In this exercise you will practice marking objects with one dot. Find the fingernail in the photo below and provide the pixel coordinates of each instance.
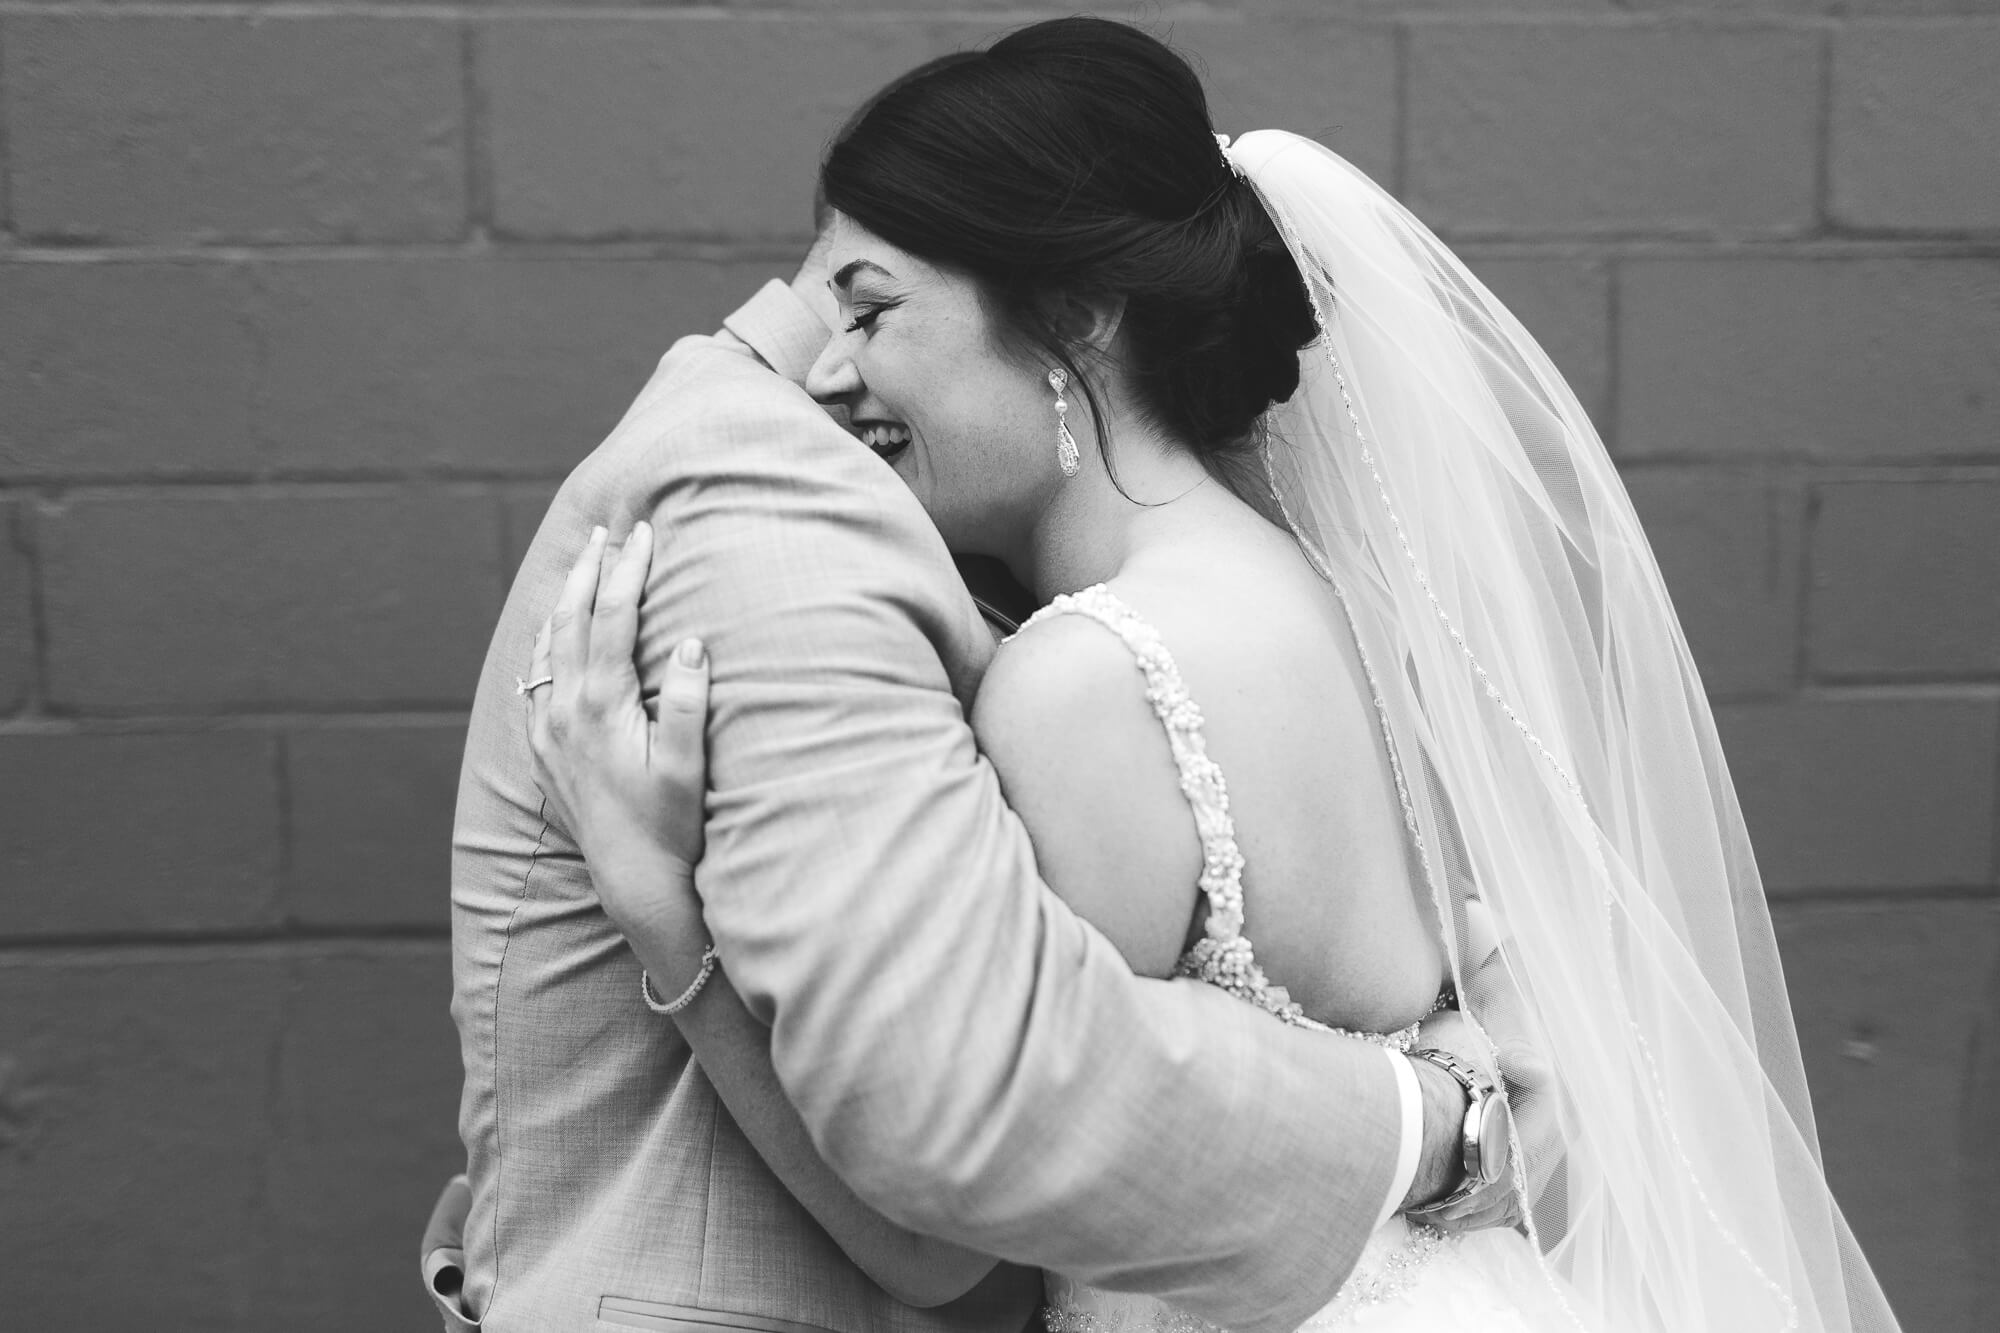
(691, 653)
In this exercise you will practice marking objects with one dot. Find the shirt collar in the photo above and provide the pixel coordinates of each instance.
(781, 329)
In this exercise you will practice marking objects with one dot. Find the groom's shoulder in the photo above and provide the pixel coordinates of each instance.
(708, 378)
(709, 392)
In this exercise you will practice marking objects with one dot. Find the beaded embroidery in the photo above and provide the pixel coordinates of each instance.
(1396, 1274)
(1400, 1272)
(1161, 1319)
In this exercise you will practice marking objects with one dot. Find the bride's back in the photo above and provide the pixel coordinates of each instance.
(1332, 903)
(1040, 248)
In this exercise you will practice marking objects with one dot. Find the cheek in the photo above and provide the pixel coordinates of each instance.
(948, 395)
(1024, 427)
(996, 470)
(993, 438)
(983, 425)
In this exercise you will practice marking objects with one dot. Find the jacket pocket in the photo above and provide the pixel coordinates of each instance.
(624, 1312)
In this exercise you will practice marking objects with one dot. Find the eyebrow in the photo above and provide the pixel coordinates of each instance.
(849, 269)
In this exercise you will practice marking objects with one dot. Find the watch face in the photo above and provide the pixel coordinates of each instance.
(1496, 1139)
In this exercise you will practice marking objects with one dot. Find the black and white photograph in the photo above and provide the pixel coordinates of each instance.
(936, 666)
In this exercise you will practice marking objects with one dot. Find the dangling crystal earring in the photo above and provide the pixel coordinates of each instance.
(1067, 457)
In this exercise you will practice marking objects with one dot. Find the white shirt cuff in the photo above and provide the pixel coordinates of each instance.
(1411, 1146)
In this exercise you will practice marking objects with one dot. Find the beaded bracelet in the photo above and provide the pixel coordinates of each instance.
(686, 997)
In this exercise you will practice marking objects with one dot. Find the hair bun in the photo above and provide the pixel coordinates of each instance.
(1077, 158)
(1276, 318)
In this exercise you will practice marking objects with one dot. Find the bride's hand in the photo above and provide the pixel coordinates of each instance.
(627, 784)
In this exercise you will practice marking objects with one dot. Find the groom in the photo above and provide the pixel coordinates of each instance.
(969, 1056)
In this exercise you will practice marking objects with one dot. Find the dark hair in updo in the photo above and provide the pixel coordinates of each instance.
(1075, 158)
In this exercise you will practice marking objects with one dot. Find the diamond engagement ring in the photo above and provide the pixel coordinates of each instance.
(530, 686)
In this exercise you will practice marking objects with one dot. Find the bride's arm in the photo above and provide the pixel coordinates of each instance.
(630, 790)
(734, 1050)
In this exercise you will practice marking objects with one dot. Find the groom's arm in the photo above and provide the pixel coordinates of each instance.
(970, 1056)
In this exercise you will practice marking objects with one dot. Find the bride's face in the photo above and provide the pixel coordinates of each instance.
(920, 366)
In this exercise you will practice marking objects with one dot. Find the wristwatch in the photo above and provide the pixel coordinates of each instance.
(1485, 1138)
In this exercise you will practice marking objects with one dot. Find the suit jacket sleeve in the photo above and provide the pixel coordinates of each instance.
(973, 1058)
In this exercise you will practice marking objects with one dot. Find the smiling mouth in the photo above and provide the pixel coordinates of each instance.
(886, 438)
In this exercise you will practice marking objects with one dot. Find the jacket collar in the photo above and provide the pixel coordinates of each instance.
(781, 329)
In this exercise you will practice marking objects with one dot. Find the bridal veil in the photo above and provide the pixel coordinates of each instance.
(1559, 764)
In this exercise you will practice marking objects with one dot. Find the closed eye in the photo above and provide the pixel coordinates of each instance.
(863, 320)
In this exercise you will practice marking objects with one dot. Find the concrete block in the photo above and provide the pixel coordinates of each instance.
(17, 626)
(150, 128)
(1566, 305)
(1916, 110)
(126, 369)
(365, 1115)
(138, 835)
(1394, 9)
(484, 366)
(1906, 580)
(135, 1099)
(1890, 1001)
(241, 599)
(1923, 8)
(370, 826)
(1841, 360)
(698, 126)
(1332, 82)
(1728, 545)
(1587, 127)
(329, 366)
(1867, 794)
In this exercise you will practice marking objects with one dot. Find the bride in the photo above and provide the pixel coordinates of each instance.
(1353, 667)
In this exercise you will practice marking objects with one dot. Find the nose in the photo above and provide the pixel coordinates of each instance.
(833, 377)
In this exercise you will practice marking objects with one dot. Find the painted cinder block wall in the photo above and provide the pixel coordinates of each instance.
(304, 310)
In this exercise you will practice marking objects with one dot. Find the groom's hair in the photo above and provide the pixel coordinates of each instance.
(1075, 160)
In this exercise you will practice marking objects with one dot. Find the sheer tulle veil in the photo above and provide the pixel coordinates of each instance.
(1561, 766)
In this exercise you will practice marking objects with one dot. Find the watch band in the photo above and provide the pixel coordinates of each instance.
(1484, 1134)
(1469, 1078)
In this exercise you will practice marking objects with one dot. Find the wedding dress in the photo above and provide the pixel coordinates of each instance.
(1560, 777)
(1410, 1278)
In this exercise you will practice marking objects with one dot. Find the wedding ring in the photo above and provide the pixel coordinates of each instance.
(530, 686)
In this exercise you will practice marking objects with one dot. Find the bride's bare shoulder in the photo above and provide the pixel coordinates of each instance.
(1065, 685)
(1061, 696)
(1057, 654)
(1063, 717)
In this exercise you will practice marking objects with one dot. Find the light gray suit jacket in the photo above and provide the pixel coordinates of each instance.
(969, 1055)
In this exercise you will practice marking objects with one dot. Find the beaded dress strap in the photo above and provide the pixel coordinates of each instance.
(1223, 956)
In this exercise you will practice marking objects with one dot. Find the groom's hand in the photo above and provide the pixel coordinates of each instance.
(1525, 1072)
(1502, 1042)
(1440, 1166)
